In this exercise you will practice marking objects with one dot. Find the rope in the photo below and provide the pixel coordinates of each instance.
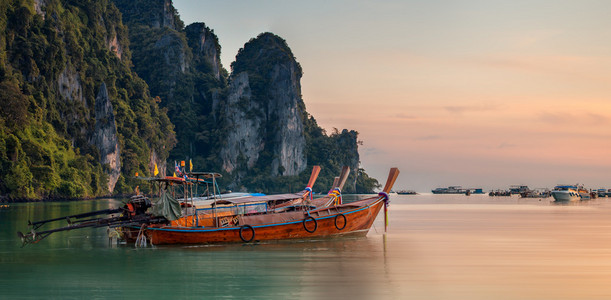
(337, 196)
(141, 239)
(386, 198)
(113, 233)
(307, 202)
(309, 189)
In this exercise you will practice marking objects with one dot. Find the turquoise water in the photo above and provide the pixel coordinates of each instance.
(437, 247)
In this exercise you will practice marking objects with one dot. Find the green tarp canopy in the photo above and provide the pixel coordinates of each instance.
(167, 207)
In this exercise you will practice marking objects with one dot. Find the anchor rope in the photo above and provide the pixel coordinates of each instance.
(141, 239)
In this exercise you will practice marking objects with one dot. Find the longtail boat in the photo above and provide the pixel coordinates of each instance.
(226, 212)
(354, 218)
(139, 210)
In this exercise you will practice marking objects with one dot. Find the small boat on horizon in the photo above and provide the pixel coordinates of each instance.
(407, 192)
(602, 192)
(518, 189)
(476, 191)
(499, 193)
(536, 193)
(455, 189)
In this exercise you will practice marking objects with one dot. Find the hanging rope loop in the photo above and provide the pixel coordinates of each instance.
(386, 198)
(309, 189)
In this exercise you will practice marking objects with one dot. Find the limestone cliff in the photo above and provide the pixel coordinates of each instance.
(114, 46)
(271, 112)
(172, 50)
(105, 136)
(69, 85)
(286, 107)
(152, 13)
(245, 122)
(205, 47)
(160, 52)
(39, 6)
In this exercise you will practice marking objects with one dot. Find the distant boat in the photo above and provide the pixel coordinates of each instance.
(498, 193)
(570, 193)
(536, 193)
(407, 192)
(602, 192)
(518, 189)
(450, 190)
(476, 191)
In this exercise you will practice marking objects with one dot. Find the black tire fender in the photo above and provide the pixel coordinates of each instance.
(315, 224)
(345, 221)
(251, 229)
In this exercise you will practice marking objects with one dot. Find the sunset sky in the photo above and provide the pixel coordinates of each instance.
(474, 93)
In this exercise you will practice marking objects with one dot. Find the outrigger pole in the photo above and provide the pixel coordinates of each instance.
(36, 225)
(132, 213)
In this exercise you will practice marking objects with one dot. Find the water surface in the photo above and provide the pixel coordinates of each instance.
(437, 247)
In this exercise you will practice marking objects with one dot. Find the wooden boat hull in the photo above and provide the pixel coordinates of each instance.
(353, 218)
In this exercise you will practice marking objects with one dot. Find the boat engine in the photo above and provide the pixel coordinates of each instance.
(137, 205)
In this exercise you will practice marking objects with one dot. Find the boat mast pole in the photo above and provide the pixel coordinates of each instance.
(214, 195)
(192, 200)
(196, 183)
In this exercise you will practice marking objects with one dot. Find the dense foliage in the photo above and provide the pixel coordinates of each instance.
(182, 80)
(45, 134)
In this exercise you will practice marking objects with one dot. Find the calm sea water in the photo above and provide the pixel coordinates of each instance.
(437, 247)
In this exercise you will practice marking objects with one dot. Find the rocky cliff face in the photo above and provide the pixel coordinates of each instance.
(38, 7)
(172, 49)
(114, 46)
(286, 106)
(166, 19)
(69, 85)
(245, 121)
(155, 159)
(160, 51)
(105, 136)
(273, 109)
(152, 13)
(205, 47)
